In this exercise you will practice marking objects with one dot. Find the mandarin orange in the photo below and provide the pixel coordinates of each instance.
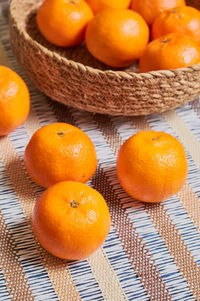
(150, 9)
(60, 152)
(71, 220)
(14, 101)
(63, 22)
(98, 5)
(152, 166)
(117, 37)
(170, 51)
(183, 19)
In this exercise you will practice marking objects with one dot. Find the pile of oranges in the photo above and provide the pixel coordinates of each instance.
(159, 34)
(70, 219)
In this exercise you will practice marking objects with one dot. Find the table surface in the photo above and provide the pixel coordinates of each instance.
(152, 251)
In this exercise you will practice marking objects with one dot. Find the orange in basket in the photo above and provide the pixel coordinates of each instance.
(150, 9)
(63, 22)
(98, 5)
(183, 19)
(60, 152)
(14, 101)
(170, 51)
(71, 220)
(117, 37)
(152, 166)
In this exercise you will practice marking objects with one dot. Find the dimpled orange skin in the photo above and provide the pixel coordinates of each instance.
(71, 220)
(170, 51)
(152, 166)
(183, 19)
(14, 101)
(150, 9)
(117, 37)
(60, 152)
(63, 22)
(98, 5)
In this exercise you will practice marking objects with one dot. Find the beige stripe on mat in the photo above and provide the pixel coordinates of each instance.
(191, 203)
(32, 124)
(188, 138)
(106, 277)
(12, 269)
(4, 60)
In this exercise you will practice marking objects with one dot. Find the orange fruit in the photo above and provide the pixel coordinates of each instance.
(150, 9)
(152, 166)
(98, 5)
(60, 152)
(183, 19)
(63, 22)
(71, 220)
(14, 101)
(170, 51)
(117, 37)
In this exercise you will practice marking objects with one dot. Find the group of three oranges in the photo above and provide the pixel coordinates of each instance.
(117, 32)
(70, 219)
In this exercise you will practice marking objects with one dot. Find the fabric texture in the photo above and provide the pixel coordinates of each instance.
(152, 251)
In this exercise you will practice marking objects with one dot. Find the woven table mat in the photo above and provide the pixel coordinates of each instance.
(152, 251)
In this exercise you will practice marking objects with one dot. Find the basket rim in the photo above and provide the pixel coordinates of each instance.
(96, 71)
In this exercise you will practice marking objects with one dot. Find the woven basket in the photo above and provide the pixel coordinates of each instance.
(72, 76)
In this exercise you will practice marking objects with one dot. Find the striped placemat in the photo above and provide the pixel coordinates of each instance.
(152, 251)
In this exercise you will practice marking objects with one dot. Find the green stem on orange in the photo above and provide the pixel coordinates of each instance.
(60, 134)
(165, 41)
(72, 2)
(74, 204)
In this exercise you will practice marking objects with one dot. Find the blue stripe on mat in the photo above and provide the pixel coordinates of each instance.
(41, 107)
(84, 280)
(128, 278)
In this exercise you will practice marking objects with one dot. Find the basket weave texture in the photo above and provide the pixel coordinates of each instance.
(72, 76)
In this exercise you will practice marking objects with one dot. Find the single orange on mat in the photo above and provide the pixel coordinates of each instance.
(71, 220)
(152, 166)
(60, 152)
(170, 51)
(150, 9)
(117, 37)
(185, 19)
(63, 22)
(98, 5)
(14, 101)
